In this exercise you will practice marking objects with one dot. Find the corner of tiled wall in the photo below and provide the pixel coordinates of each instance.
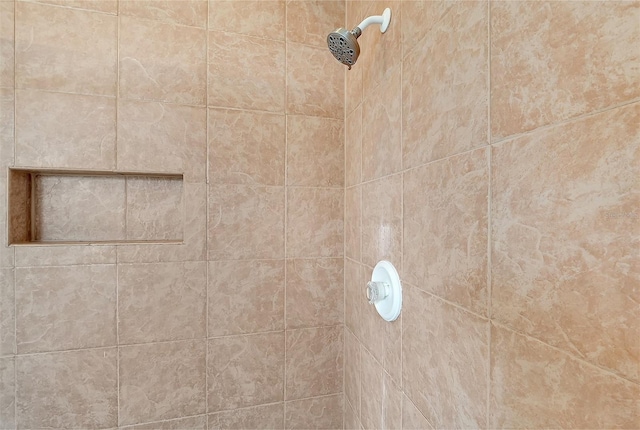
(492, 155)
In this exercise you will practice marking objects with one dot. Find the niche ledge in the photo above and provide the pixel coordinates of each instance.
(75, 207)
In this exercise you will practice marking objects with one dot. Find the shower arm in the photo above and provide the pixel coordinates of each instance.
(383, 20)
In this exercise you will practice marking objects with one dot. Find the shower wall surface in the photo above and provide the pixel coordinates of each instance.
(239, 324)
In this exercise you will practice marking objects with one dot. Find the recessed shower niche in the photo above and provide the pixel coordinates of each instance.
(79, 207)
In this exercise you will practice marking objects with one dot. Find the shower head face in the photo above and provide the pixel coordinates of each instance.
(343, 44)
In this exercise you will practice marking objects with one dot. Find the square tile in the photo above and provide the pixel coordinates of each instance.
(7, 392)
(257, 18)
(155, 209)
(265, 417)
(186, 12)
(319, 413)
(309, 22)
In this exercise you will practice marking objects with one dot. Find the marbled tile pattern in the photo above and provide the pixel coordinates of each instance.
(246, 296)
(187, 12)
(249, 17)
(161, 381)
(353, 222)
(106, 6)
(382, 403)
(245, 370)
(353, 147)
(7, 33)
(7, 312)
(318, 413)
(309, 22)
(190, 423)
(258, 417)
(7, 392)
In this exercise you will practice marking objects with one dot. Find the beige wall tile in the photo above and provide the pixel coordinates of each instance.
(445, 229)
(382, 221)
(65, 307)
(381, 130)
(193, 247)
(245, 370)
(309, 22)
(61, 255)
(246, 72)
(418, 18)
(565, 235)
(444, 361)
(106, 6)
(7, 313)
(556, 60)
(315, 151)
(190, 423)
(7, 118)
(318, 413)
(412, 419)
(381, 398)
(315, 292)
(160, 137)
(79, 208)
(65, 130)
(315, 222)
(351, 418)
(265, 417)
(352, 371)
(252, 18)
(354, 297)
(161, 381)
(444, 88)
(353, 147)
(315, 82)
(85, 63)
(246, 296)
(246, 147)
(186, 12)
(155, 209)
(162, 301)
(535, 386)
(353, 77)
(73, 389)
(314, 362)
(353, 223)
(7, 69)
(246, 222)
(7, 393)
(162, 62)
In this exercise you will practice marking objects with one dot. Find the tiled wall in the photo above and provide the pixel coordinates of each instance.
(493, 155)
(242, 324)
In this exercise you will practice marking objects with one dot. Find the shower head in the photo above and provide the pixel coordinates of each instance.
(343, 43)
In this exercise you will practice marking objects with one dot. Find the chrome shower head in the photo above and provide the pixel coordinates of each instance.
(343, 43)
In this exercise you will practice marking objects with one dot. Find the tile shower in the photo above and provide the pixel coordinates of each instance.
(468, 145)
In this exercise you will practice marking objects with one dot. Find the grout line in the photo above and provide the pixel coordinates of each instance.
(206, 236)
(131, 426)
(286, 208)
(489, 209)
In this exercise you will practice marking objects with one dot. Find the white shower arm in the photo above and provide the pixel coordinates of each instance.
(383, 20)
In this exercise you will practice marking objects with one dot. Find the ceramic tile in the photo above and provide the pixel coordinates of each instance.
(535, 386)
(65, 130)
(106, 6)
(161, 381)
(412, 419)
(187, 12)
(7, 118)
(190, 423)
(445, 357)
(315, 82)
(74, 389)
(315, 292)
(155, 209)
(351, 418)
(61, 255)
(245, 370)
(381, 131)
(85, 63)
(246, 72)
(565, 237)
(315, 151)
(354, 292)
(193, 247)
(246, 147)
(309, 22)
(381, 398)
(246, 296)
(315, 222)
(7, 393)
(252, 18)
(265, 417)
(352, 371)
(318, 413)
(162, 62)
(418, 18)
(7, 32)
(162, 301)
(314, 362)
(353, 77)
(78, 208)
(246, 222)
(159, 137)
(382, 221)
(353, 223)
(445, 229)
(68, 307)
(444, 88)
(7, 313)
(556, 60)
(353, 147)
